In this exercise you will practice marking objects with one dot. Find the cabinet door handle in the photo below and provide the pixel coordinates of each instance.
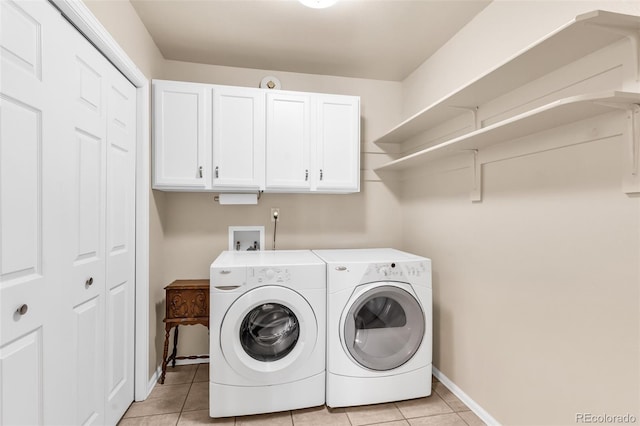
(22, 309)
(216, 172)
(200, 171)
(321, 174)
(306, 174)
(89, 281)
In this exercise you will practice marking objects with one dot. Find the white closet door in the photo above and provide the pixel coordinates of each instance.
(67, 225)
(120, 248)
(34, 366)
(87, 192)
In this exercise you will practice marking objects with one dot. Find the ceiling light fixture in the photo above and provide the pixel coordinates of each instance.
(318, 4)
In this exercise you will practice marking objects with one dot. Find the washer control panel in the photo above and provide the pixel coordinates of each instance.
(269, 275)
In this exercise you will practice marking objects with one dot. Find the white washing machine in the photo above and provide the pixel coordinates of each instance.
(267, 332)
(379, 326)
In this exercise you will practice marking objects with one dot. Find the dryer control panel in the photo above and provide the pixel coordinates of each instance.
(397, 271)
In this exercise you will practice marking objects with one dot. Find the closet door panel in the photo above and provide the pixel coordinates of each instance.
(88, 318)
(22, 102)
(120, 267)
(88, 178)
(21, 380)
(21, 43)
(34, 385)
(87, 186)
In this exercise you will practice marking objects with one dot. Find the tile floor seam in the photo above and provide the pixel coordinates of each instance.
(187, 397)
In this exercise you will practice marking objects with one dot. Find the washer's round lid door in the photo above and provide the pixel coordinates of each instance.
(268, 333)
(383, 327)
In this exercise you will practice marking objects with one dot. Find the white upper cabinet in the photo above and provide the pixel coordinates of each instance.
(288, 142)
(224, 138)
(182, 144)
(238, 138)
(337, 165)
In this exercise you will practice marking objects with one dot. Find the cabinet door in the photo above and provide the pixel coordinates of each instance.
(238, 138)
(338, 144)
(181, 124)
(288, 142)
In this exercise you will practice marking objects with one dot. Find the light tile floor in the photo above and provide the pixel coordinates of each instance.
(183, 400)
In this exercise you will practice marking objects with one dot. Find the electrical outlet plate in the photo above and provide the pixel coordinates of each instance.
(275, 210)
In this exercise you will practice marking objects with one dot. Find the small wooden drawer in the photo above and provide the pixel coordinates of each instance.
(187, 303)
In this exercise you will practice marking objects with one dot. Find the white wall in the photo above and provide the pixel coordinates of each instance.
(536, 287)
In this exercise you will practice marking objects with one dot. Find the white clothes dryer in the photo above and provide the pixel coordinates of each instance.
(379, 326)
(267, 325)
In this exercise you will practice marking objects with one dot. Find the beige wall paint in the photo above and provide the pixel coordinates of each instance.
(537, 287)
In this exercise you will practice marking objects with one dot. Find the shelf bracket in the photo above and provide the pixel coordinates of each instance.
(634, 38)
(474, 115)
(631, 177)
(476, 176)
(631, 180)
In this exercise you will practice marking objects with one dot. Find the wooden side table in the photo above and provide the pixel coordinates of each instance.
(187, 303)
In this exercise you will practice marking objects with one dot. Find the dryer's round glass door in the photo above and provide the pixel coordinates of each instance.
(384, 328)
(269, 332)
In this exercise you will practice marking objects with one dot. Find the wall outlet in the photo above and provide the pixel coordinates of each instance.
(275, 211)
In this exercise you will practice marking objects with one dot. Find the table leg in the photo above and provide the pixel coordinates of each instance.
(164, 355)
(175, 346)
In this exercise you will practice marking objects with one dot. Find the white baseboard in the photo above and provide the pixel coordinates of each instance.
(474, 406)
(156, 375)
(152, 381)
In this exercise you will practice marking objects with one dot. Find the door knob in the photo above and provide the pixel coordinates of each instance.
(23, 309)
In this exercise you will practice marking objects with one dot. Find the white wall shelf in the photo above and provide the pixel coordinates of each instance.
(585, 34)
(554, 114)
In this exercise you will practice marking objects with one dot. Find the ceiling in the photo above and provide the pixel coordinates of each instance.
(376, 39)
